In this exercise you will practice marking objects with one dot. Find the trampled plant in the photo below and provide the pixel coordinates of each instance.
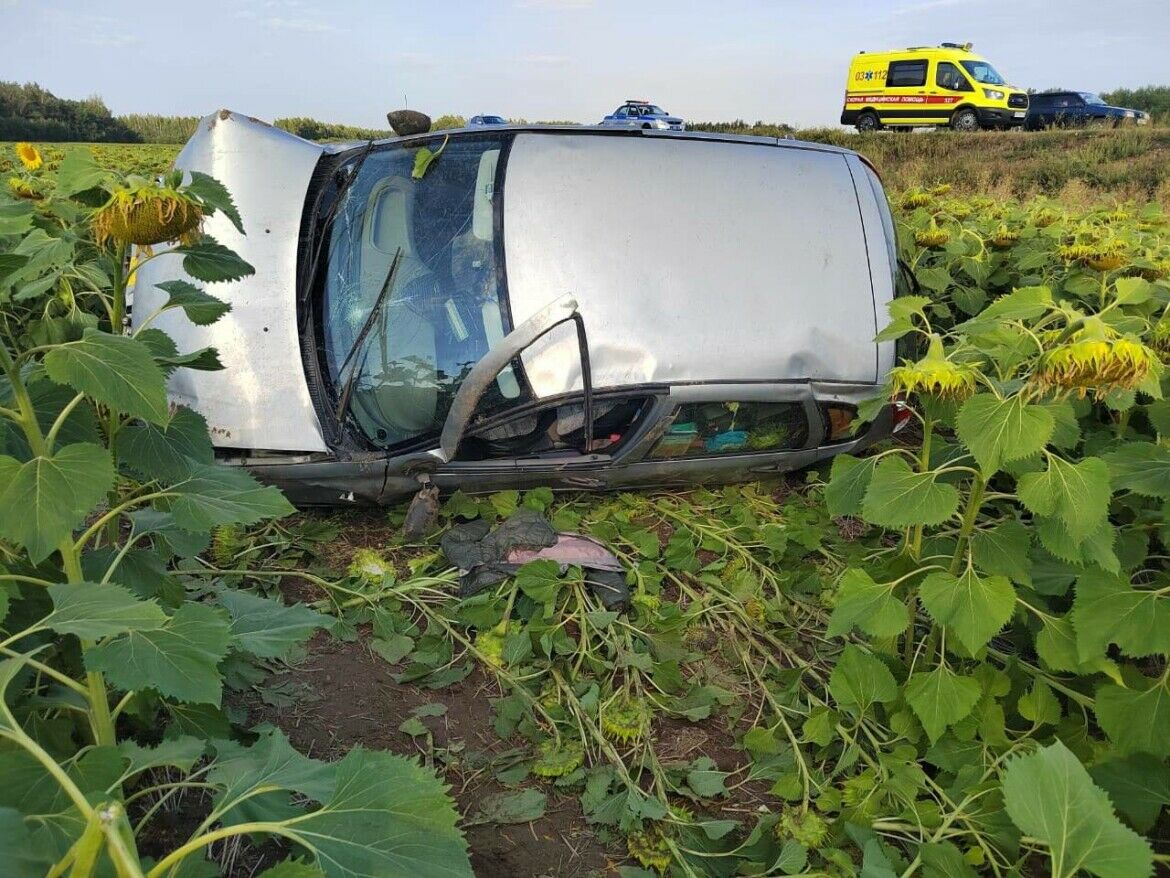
(115, 641)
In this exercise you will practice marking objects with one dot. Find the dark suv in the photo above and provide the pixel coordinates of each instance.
(1065, 109)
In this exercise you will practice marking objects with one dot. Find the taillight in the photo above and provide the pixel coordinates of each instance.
(902, 415)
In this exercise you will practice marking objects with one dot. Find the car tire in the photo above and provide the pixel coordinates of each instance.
(965, 119)
(645, 126)
(868, 121)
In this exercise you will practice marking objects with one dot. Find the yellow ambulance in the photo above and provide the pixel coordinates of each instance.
(939, 85)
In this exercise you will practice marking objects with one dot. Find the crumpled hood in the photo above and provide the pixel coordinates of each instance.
(260, 400)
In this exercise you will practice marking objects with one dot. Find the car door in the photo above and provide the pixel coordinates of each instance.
(1065, 111)
(951, 86)
(1039, 111)
(439, 464)
(905, 100)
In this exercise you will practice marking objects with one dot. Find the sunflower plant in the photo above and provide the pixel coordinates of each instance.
(1017, 614)
(117, 638)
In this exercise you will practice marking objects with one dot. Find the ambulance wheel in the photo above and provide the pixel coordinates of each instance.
(965, 120)
(868, 121)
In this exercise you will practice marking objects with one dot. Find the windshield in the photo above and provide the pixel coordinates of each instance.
(445, 307)
(983, 72)
(1090, 98)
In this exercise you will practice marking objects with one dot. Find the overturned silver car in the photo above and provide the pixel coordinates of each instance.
(522, 306)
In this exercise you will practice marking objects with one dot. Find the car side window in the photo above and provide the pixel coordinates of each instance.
(555, 431)
(906, 74)
(710, 429)
(949, 77)
(620, 112)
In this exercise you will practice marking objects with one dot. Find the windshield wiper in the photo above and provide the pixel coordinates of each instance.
(363, 333)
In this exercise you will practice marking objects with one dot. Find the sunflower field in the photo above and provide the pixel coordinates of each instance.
(947, 657)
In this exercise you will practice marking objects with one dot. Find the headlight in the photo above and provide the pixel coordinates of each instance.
(993, 94)
(661, 123)
(1129, 114)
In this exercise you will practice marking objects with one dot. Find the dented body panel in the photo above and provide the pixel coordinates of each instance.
(726, 331)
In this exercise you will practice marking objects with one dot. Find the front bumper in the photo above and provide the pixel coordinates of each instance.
(996, 116)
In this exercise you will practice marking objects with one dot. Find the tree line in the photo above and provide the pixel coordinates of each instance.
(30, 112)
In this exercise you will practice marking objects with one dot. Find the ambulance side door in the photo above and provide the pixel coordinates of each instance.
(906, 93)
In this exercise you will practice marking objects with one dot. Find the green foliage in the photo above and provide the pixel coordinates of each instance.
(29, 112)
(1153, 99)
(1050, 796)
(118, 641)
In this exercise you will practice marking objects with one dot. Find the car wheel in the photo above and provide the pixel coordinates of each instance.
(868, 121)
(965, 120)
(645, 126)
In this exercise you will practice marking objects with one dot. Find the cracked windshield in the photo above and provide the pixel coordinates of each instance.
(442, 309)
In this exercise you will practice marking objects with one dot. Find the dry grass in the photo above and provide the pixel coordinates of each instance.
(1079, 168)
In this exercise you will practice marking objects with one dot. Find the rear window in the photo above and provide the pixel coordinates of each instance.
(838, 418)
(707, 429)
(906, 73)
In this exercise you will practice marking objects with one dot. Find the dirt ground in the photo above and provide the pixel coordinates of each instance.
(353, 699)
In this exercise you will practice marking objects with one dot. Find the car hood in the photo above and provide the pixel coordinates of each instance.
(260, 400)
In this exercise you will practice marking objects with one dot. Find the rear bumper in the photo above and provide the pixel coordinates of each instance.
(996, 116)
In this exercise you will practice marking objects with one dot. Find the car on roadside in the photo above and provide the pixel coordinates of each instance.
(487, 120)
(501, 319)
(947, 85)
(643, 114)
(1070, 109)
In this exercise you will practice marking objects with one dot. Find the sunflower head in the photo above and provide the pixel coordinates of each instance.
(148, 214)
(960, 210)
(932, 237)
(368, 566)
(1159, 338)
(1045, 217)
(29, 156)
(941, 189)
(1095, 359)
(1105, 255)
(754, 608)
(22, 188)
(1003, 238)
(806, 827)
(1154, 270)
(626, 719)
(558, 758)
(490, 644)
(914, 199)
(226, 543)
(934, 375)
(650, 848)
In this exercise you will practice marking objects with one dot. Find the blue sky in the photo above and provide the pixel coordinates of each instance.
(352, 60)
